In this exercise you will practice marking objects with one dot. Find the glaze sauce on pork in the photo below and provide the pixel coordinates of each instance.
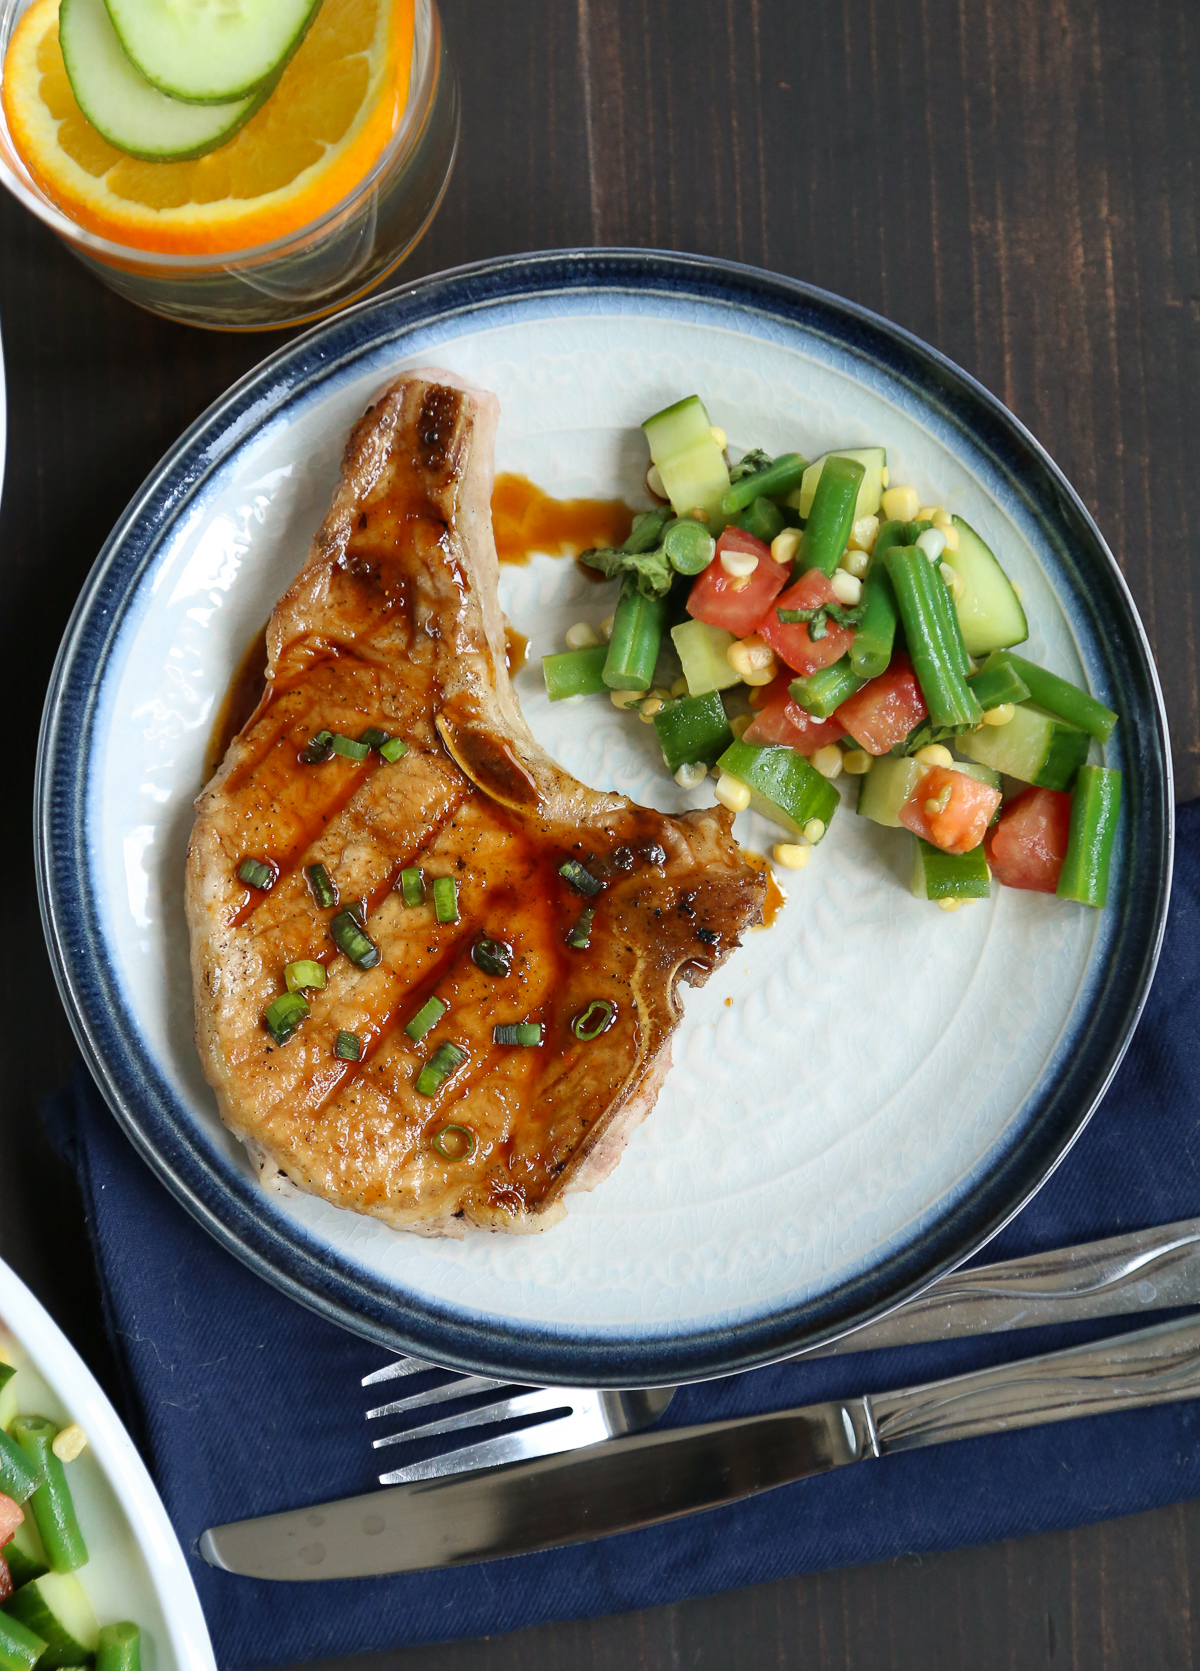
(394, 624)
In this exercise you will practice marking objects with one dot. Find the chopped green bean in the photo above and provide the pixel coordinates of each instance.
(781, 476)
(925, 609)
(689, 546)
(820, 693)
(638, 625)
(53, 1509)
(831, 517)
(575, 672)
(119, 1648)
(19, 1476)
(1095, 808)
(1058, 696)
(20, 1648)
(763, 518)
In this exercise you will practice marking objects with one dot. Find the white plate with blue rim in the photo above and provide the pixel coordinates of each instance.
(870, 1088)
(135, 1569)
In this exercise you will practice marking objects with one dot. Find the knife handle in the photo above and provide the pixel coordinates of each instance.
(1150, 1366)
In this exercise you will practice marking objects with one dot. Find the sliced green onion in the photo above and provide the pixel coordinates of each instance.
(596, 1019)
(580, 879)
(374, 737)
(306, 974)
(580, 937)
(446, 1059)
(426, 1018)
(350, 937)
(412, 886)
(394, 749)
(255, 874)
(323, 889)
(317, 748)
(445, 899)
(494, 957)
(518, 1032)
(455, 1142)
(352, 749)
(284, 1014)
(348, 1047)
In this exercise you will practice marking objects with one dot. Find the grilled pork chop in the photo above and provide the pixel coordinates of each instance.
(393, 624)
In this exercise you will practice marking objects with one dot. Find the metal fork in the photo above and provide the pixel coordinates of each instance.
(573, 1416)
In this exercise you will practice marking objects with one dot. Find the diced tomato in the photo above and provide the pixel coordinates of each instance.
(722, 601)
(780, 720)
(884, 711)
(11, 1516)
(963, 809)
(1027, 847)
(792, 643)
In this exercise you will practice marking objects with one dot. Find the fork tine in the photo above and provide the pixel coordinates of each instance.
(526, 1404)
(402, 1366)
(462, 1387)
(568, 1433)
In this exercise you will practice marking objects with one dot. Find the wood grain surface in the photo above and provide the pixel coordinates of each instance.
(1016, 183)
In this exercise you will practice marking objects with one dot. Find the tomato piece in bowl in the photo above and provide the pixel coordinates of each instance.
(722, 600)
(950, 809)
(1027, 847)
(781, 719)
(792, 641)
(884, 711)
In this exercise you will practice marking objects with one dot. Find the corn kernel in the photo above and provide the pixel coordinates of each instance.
(863, 532)
(69, 1442)
(814, 830)
(856, 563)
(940, 518)
(951, 533)
(582, 636)
(785, 545)
(935, 754)
(901, 504)
(932, 542)
(847, 588)
(624, 698)
(1000, 715)
(954, 580)
(698, 514)
(739, 565)
(928, 513)
(752, 659)
(651, 706)
(937, 804)
(719, 436)
(790, 855)
(738, 585)
(680, 687)
(856, 761)
(827, 760)
(740, 724)
(885, 476)
(952, 904)
(691, 776)
(606, 627)
(732, 793)
(654, 483)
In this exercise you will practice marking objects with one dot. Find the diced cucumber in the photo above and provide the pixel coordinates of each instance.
(1033, 746)
(209, 54)
(783, 786)
(990, 612)
(884, 789)
(701, 651)
(693, 729)
(938, 875)
(870, 493)
(122, 105)
(25, 1553)
(56, 1608)
(20, 1648)
(8, 1394)
(691, 464)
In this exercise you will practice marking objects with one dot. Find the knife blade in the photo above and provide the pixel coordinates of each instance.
(651, 1477)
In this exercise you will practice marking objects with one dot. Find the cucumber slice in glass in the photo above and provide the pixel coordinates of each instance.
(212, 51)
(122, 105)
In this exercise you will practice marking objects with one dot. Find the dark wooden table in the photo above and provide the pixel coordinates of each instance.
(1018, 184)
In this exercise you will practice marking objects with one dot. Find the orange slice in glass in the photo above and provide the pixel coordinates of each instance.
(337, 104)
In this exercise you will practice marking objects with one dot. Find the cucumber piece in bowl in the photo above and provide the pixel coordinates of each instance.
(213, 51)
(122, 105)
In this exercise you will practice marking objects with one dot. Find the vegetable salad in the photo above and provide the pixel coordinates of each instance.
(873, 636)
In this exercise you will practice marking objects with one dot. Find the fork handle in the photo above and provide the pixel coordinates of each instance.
(1150, 1366)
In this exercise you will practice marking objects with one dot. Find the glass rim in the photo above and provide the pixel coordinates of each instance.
(423, 80)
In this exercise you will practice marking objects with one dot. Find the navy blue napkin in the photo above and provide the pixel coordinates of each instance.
(245, 1403)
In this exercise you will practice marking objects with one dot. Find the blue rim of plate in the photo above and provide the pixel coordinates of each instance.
(226, 1202)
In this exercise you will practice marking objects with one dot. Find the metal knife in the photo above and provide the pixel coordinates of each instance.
(656, 1476)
